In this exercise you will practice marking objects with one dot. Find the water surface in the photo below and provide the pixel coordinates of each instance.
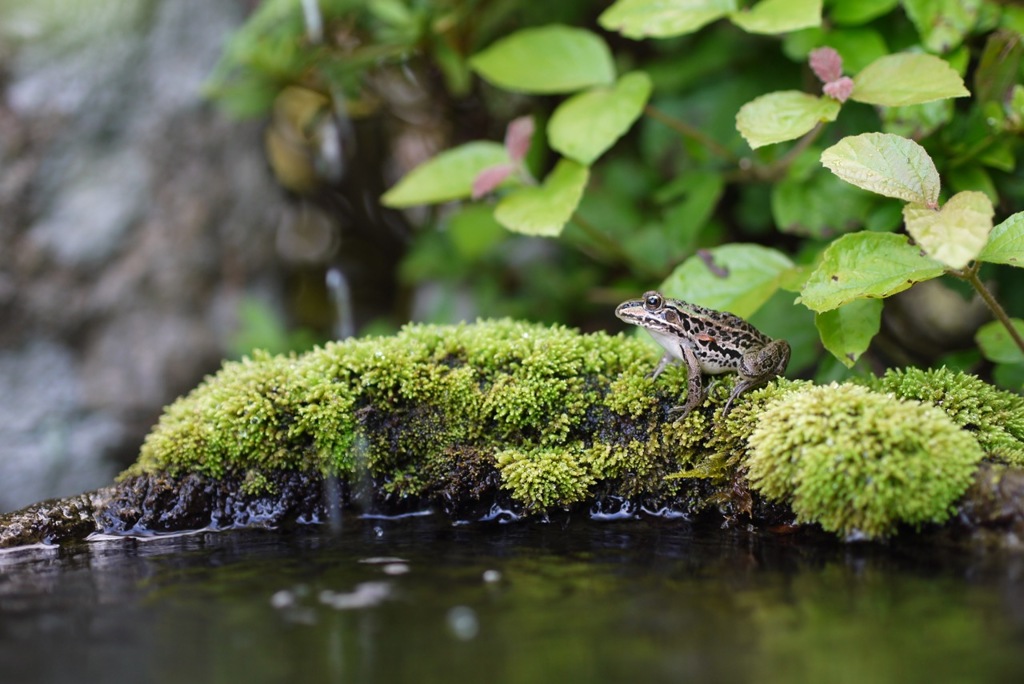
(422, 600)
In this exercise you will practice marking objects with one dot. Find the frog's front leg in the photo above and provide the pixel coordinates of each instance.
(695, 385)
(663, 363)
(757, 367)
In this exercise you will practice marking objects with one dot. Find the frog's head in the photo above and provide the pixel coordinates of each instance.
(652, 311)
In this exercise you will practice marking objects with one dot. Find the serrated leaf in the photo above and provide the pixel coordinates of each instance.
(996, 343)
(778, 16)
(906, 79)
(737, 278)
(447, 176)
(1006, 243)
(955, 234)
(866, 265)
(662, 18)
(885, 164)
(848, 330)
(587, 124)
(546, 209)
(783, 115)
(547, 59)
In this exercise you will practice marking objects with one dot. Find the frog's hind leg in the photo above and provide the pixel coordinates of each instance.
(757, 368)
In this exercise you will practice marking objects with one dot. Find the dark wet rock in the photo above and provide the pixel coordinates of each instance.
(994, 505)
(154, 503)
(991, 514)
(50, 522)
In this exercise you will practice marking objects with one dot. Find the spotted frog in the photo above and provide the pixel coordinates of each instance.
(706, 341)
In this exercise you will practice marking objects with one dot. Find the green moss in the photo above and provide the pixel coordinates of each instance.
(554, 418)
(257, 484)
(859, 462)
(995, 417)
(524, 400)
(542, 478)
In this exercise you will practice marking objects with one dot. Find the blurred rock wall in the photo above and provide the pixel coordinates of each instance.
(133, 217)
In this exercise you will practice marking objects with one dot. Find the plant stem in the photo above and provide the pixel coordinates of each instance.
(687, 131)
(607, 244)
(971, 276)
(782, 163)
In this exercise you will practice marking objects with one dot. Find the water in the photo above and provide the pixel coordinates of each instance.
(421, 600)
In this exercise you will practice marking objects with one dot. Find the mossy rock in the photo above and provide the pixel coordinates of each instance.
(994, 416)
(535, 420)
(543, 414)
(859, 462)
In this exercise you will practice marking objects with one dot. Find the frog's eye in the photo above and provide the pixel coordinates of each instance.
(652, 301)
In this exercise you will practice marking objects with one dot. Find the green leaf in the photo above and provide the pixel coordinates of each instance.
(942, 24)
(547, 59)
(779, 318)
(859, 47)
(866, 265)
(917, 121)
(997, 344)
(778, 16)
(683, 220)
(740, 278)
(955, 234)
(905, 79)
(856, 12)
(662, 18)
(782, 115)
(1006, 243)
(546, 209)
(586, 125)
(820, 206)
(473, 230)
(848, 330)
(885, 164)
(973, 177)
(996, 74)
(447, 176)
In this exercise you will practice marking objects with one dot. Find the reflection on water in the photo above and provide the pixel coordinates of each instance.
(421, 600)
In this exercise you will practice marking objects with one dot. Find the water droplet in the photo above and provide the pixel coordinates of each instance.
(463, 623)
(282, 599)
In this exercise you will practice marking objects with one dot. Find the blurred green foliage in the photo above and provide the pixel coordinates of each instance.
(691, 128)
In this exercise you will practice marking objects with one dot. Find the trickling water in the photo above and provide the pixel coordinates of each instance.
(314, 21)
(341, 297)
(420, 600)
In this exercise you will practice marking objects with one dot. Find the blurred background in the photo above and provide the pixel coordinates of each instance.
(152, 225)
(184, 180)
(135, 222)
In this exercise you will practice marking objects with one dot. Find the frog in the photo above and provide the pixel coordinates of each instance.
(707, 341)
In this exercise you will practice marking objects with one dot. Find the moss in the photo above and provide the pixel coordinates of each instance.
(525, 400)
(859, 462)
(256, 483)
(543, 417)
(995, 417)
(542, 478)
(728, 442)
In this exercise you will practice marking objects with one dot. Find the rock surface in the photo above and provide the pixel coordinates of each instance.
(132, 217)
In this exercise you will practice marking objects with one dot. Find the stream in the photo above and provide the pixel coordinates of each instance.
(420, 599)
